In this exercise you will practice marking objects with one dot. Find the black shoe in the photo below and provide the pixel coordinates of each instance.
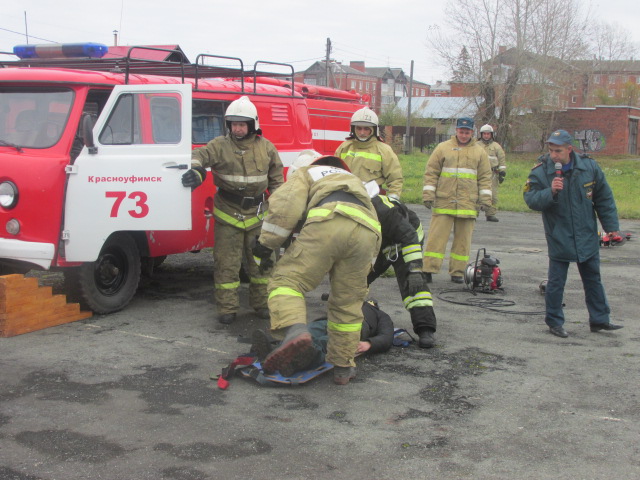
(261, 344)
(492, 218)
(427, 278)
(559, 332)
(427, 339)
(596, 327)
(227, 318)
(455, 279)
(263, 313)
(294, 353)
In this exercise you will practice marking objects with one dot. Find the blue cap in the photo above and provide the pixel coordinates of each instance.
(465, 122)
(560, 137)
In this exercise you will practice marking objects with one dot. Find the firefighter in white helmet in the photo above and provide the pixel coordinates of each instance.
(340, 236)
(498, 168)
(246, 169)
(368, 157)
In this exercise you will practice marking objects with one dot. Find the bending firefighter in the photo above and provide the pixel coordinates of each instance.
(402, 239)
(498, 168)
(368, 157)
(340, 236)
(246, 169)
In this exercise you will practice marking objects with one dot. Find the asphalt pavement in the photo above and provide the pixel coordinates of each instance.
(130, 395)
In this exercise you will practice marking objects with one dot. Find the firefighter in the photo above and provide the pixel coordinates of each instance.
(402, 239)
(340, 236)
(498, 168)
(457, 181)
(368, 157)
(246, 169)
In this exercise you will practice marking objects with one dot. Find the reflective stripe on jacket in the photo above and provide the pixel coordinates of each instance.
(300, 196)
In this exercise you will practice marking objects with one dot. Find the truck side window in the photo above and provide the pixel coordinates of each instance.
(207, 120)
(165, 118)
(123, 126)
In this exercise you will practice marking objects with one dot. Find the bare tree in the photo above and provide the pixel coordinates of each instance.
(518, 51)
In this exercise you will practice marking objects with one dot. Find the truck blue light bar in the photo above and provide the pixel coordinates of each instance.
(61, 50)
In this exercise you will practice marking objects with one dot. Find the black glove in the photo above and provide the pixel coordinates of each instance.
(501, 176)
(415, 283)
(262, 256)
(194, 177)
(428, 204)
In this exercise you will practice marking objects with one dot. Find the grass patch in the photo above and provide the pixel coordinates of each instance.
(623, 175)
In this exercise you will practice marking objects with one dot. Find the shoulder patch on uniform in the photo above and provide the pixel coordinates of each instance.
(537, 165)
(527, 186)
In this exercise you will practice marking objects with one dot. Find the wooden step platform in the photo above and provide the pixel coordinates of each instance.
(26, 307)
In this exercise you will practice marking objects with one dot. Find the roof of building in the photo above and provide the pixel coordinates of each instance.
(608, 66)
(441, 107)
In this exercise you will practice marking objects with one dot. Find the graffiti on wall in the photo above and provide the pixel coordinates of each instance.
(590, 140)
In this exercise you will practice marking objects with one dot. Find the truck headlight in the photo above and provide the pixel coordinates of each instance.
(8, 194)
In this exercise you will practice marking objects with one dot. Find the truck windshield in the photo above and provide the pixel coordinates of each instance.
(33, 117)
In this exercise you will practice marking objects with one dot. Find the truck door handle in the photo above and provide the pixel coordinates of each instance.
(179, 167)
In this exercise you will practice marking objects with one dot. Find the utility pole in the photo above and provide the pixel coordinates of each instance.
(326, 62)
(26, 29)
(407, 135)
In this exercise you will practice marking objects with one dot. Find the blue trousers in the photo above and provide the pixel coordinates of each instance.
(595, 298)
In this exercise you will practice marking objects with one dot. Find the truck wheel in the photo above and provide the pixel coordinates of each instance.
(108, 284)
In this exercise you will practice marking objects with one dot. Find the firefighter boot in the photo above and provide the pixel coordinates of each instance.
(342, 375)
(424, 325)
(426, 338)
(294, 353)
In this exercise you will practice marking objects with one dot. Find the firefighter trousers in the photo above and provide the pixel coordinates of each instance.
(420, 305)
(342, 248)
(493, 209)
(439, 231)
(231, 245)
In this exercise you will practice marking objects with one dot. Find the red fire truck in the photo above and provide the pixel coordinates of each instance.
(92, 151)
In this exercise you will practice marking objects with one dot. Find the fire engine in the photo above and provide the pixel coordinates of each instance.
(92, 150)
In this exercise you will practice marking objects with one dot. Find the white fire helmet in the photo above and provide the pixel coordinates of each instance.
(365, 117)
(242, 110)
(486, 128)
(305, 158)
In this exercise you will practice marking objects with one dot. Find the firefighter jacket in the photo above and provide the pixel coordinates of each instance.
(303, 196)
(373, 160)
(243, 170)
(398, 230)
(496, 155)
(569, 218)
(457, 178)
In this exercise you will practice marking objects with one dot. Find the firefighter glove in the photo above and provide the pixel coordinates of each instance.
(262, 256)
(414, 283)
(501, 176)
(194, 177)
(428, 204)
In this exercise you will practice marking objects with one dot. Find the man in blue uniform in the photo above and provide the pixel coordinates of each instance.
(570, 189)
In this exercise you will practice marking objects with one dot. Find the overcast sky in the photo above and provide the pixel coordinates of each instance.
(380, 32)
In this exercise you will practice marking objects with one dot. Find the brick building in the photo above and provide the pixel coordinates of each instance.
(379, 86)
(608, 130)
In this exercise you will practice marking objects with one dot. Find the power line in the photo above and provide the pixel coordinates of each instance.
(22, 35)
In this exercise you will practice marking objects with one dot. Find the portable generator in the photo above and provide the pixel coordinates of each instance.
(484, 274)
